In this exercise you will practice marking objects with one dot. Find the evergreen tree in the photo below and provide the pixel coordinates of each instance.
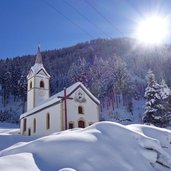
(156, 106)
(120, 74)
(166, 102)
(22, 84)
(99, 77)
(6, 86)
(121, 81)
(80, 71)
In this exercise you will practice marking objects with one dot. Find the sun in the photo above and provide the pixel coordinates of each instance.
(152, 30)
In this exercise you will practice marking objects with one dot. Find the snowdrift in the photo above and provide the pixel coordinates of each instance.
(104, 146)
(9, 135)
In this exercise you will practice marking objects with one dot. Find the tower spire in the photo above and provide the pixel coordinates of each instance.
(38, 56)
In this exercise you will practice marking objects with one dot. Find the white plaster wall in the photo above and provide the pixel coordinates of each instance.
(91, 115)
(91, 111)
(30, 92)
(41, 96)
(55, 121)
(39, 78)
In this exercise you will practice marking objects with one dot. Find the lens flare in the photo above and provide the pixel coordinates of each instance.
(152, 30)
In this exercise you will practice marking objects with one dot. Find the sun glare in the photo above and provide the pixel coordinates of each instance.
(152, 30)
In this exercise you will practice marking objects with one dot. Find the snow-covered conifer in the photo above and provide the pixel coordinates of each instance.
(156, 106)
(79, 71)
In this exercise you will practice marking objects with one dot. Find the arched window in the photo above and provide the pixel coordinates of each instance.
(25, 124)
(42, 85)
(34, 125)
(48, 121)
(80, 110)
(81, 124)
(31, 85)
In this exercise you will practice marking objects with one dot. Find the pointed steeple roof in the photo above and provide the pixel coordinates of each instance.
(38, 56)
(38, 68)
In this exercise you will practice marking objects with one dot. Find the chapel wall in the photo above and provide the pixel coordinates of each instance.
(41, 121)
(90, 111)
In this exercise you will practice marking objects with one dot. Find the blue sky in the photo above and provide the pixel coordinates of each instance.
(55, 24)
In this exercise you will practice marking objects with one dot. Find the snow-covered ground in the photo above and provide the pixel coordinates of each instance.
(9, 135)
(104, 146)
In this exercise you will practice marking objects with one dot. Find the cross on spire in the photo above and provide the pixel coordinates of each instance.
(38, 56)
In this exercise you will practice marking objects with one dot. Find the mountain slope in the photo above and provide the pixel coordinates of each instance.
(138, 60)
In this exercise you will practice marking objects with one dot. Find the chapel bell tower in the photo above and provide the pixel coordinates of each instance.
(38, 88)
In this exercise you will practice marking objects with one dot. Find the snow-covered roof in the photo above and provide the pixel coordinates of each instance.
(36, 70)
(54, 99)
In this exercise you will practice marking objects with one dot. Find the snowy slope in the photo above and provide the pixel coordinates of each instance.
(121, 114)
(104, 146)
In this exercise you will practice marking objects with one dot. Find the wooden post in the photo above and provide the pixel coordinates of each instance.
(64, 99)
(65, 108)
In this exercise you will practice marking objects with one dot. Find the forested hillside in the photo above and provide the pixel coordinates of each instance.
(114, 70)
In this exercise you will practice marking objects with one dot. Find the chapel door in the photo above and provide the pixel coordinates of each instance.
(81, 124)
(29, 132)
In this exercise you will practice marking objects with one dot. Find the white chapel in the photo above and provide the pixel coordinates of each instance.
(73, 107)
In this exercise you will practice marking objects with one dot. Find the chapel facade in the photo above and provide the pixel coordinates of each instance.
(73, 107)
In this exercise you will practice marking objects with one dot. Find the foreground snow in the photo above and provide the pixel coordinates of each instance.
(9, 135)
(104, 146)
